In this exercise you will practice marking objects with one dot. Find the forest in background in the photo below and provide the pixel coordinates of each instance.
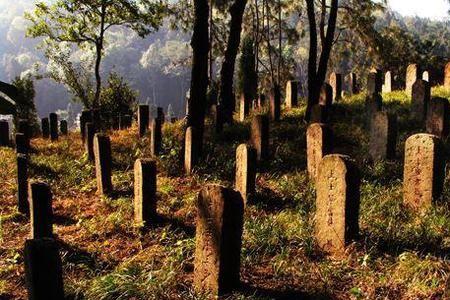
(158, 66)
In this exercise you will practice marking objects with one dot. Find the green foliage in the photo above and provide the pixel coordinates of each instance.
(84, 24)
(118, 97)
(25, 107)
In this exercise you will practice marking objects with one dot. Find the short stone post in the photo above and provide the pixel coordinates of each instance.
(336, 85)
(156, 137)
(326, 95)
(260, 137)
(291, 94)
(383, 136)
(89, 140)
(191, 150)
(63, 127)
(22, 184)
(4, 133)
(438, 117)
(103, 161)
(144, 191)
(337, 204)
(45, 127)
(143, 119)
(275, 103)
(420, 98)
(245, 171)
(387, 86)
(424, 171)
(319, 142)
(41, 212)
(43, 269)
(413, 73)
(244, 108)
(53, 127)
(375, 82)
(22, 143)
(218, 241)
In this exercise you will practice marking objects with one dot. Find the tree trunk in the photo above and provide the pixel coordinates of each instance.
(316, 75)
(98, 60)
(199, 77)
(226, 99)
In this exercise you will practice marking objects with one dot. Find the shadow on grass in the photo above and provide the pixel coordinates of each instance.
(269, 201)
(287, 294)
(163, 221)
(387, 245)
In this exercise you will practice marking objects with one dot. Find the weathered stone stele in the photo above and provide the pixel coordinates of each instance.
(245, 171)
(54, 127)
(387, 86)
(424, 171)
(63, 127)
(413, 73)
(220, 213)
(447, 76)
(319, 140)
(103, 161)
(275, 103)
(22, 184)
(375, 82)
(144, 191)
(337, 204)
(420, 97)
(143, 119)
(319, 114)
(156, 137)
(260, 136)
(41, 212)
(438, 117)
(326, 95)
(191, 150)
(383, 136)
(43, 270)
(45, 127)
(291, 94)
(244, 108)
(89, 140)
(336, 85)
(4, 133)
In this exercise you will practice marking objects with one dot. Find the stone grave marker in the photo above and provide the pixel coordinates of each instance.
(41, 211)
(245, 171)
(103, 161)
(424, 171)
(337, 204)
(144, 191)
(319, 141)
(220, 214)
